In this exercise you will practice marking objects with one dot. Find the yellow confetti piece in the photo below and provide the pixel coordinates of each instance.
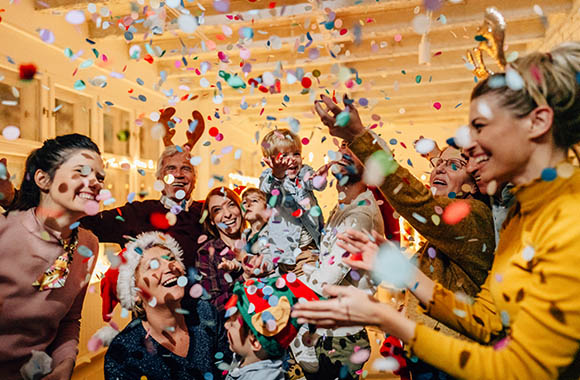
(435, 219)
(45, 236)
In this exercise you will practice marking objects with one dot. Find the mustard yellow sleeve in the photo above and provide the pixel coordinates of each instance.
(477, 319)
(470, 243)
(544, 341)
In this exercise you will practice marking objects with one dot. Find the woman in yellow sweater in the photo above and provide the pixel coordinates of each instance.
(527, 315)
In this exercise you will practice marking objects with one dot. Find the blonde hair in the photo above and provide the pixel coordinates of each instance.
(551, 79)
(256, 191)
(279, 139)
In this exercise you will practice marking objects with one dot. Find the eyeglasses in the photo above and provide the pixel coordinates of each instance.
(451, 163)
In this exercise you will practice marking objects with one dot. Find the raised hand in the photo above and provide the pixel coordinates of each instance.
(255, 266)
(363, 251)
(347, 306)
(352, 125)
(278, 165)
(164, 119)
(193, 137)
(229, 265)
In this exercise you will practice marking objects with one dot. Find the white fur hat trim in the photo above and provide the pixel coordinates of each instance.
(126, 290)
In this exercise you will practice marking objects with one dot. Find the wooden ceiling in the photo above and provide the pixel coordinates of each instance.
(374, 39)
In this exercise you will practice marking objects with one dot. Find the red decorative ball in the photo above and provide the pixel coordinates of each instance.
(27, 71)
(213, 131)
(159, 221)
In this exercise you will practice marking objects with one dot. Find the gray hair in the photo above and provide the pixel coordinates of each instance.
(170, 151)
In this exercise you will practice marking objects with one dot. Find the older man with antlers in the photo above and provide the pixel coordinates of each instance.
(175, 212)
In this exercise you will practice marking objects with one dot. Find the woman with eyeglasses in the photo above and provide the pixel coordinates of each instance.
(456, 255)
(526, 318)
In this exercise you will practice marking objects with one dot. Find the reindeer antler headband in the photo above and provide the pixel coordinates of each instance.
(491, 36)
(194, 130)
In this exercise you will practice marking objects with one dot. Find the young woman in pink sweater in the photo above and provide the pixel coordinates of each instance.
(45, 259)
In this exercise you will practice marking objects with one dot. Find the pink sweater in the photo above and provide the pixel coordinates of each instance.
(31, 320)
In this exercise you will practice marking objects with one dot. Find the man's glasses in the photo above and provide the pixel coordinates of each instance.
(451, 163)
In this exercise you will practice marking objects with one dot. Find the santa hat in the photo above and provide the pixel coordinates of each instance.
(118, 285)
(265, 306)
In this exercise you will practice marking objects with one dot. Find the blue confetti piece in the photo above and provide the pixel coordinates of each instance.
(128, 36)
(74, 225)
(139, 250)
(451, 142)
(140, 81)
(109, 103)
(409, 162)
(452, 195)
(286, 98)
(131, 197)
(270, 118)
(141, 172)
(219, 355)
(179, 149)
(193, 125)
(90, 41)
(393, 141)
(109, 201)
(208, 376)
(84, 251)
(549, 174)
(142, 98)
(223, 226)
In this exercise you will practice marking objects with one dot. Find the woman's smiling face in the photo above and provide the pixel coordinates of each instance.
(77, 182)
(157, 275)
(226, 214)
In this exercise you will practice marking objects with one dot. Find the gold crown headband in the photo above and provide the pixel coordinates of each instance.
(491, 36)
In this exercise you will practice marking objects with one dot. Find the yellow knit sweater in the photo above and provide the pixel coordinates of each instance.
(532, 296)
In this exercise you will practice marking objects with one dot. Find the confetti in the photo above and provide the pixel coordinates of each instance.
(392, 267)
(456, 211)
(196, 291)
(424, 146)
(11, 132)
(75, 17)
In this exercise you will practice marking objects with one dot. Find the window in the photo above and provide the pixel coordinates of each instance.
(116, 130)
(72, 113)
(20, 104)
(149, 148)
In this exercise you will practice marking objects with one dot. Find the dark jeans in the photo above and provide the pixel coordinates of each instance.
(424, 371)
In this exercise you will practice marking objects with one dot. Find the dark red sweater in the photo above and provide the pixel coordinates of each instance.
(136, 219)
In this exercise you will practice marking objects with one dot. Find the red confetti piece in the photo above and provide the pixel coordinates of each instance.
(232, 302)
(305, 141)
(357, 256)
(343, 31)
(148, 58)
(456, 212)
(159, 221)
(306, 82)
(213, 131)
(27, 71)
(297, 213)
(130, 91)
(536, 74)
(438, 53)
(437, 105)
(272, 5)
(75, 72)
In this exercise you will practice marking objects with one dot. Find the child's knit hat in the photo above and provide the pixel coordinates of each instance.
(265, 305)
